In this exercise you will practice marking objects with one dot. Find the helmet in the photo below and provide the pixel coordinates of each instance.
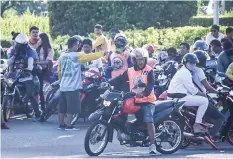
(113, 32)
(80, 41)
(200, 45)
(120, 41)
(139, 53)
(21, 39)
(170, 68)
(149, 48)
(191, 58)
(162, 55)
(202, 57)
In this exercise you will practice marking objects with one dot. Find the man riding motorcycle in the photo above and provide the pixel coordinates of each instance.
(21, 59)
(203, 85)
(182, 86)
(141, 81)
(119, 61)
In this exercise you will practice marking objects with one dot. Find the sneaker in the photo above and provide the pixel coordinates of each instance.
(36, 119)
(198, 128)
(62, 127)
(71, 128)
(4, 126)
(152, 149)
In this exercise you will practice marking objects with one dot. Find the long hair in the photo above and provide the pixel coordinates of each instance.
(45, 44)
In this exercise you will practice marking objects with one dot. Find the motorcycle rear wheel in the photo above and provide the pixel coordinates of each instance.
(163, 131)
(230, 136)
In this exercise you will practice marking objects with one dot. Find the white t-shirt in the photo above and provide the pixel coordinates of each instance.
(95, 65)
(210, 37)
(199, 76)
(182, 83)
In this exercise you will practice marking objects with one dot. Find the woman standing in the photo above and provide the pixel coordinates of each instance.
(46, 54)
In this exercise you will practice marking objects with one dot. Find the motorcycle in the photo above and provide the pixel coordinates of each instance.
(163, 76)
(189, 116)
(12, 97)
(114, 106)
(88, 94)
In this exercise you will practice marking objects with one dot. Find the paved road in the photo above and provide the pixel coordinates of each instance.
(27, 139)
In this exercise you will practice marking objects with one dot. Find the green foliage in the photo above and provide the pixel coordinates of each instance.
(5, 43)
(22, 24)
(74, 18)
(206, 21)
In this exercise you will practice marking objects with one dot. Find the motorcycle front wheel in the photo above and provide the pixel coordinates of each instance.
(96, 134)
(7, 105)
(168, 136)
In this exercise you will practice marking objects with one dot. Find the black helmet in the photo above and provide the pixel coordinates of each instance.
(114, 31)
(191, 58)
(80, 41)
(200, 45)
(170, 68)
(202, 57)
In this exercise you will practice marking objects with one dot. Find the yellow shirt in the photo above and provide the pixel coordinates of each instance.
(229, 72)
(112, 46)
(101, 43)
(83, 58)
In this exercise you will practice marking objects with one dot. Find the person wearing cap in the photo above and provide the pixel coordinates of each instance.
(69, 74)
(101, 42)
(119, 61)
(214, 34)
(21, 59)
(226, 57)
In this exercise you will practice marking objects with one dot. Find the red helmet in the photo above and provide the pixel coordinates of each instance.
(129, 106)
(149, 48)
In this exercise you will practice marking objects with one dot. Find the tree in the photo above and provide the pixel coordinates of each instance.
(7, 4)
(21, 6)
(80, 16)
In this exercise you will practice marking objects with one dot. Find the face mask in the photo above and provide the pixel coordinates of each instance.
(191, 67)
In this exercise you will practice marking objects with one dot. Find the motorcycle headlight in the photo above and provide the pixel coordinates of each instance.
(106, 103)
(9, 82)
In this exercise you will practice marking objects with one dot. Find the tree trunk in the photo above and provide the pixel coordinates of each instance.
(223, 6)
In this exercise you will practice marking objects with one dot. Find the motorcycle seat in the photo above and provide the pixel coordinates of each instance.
(162, 105)
(190, 108)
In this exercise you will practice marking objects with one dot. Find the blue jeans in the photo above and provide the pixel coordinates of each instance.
(148, 111)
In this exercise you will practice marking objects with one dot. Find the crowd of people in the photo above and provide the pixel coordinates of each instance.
(127, 69)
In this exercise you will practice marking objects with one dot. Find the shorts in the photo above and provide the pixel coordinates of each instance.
(70, 102)
(148, 111)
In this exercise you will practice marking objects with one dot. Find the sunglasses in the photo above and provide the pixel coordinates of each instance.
(213, 30)
(35, 32)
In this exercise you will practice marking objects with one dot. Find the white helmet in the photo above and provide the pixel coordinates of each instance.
(21, 39)
(120, 35)
(140, 52)
(163, 55)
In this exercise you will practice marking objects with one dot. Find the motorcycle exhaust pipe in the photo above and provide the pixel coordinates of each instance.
(192, 136)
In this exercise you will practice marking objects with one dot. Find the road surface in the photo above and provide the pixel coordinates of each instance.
(27, 139)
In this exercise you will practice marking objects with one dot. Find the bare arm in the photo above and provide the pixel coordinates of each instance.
(208, 86)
